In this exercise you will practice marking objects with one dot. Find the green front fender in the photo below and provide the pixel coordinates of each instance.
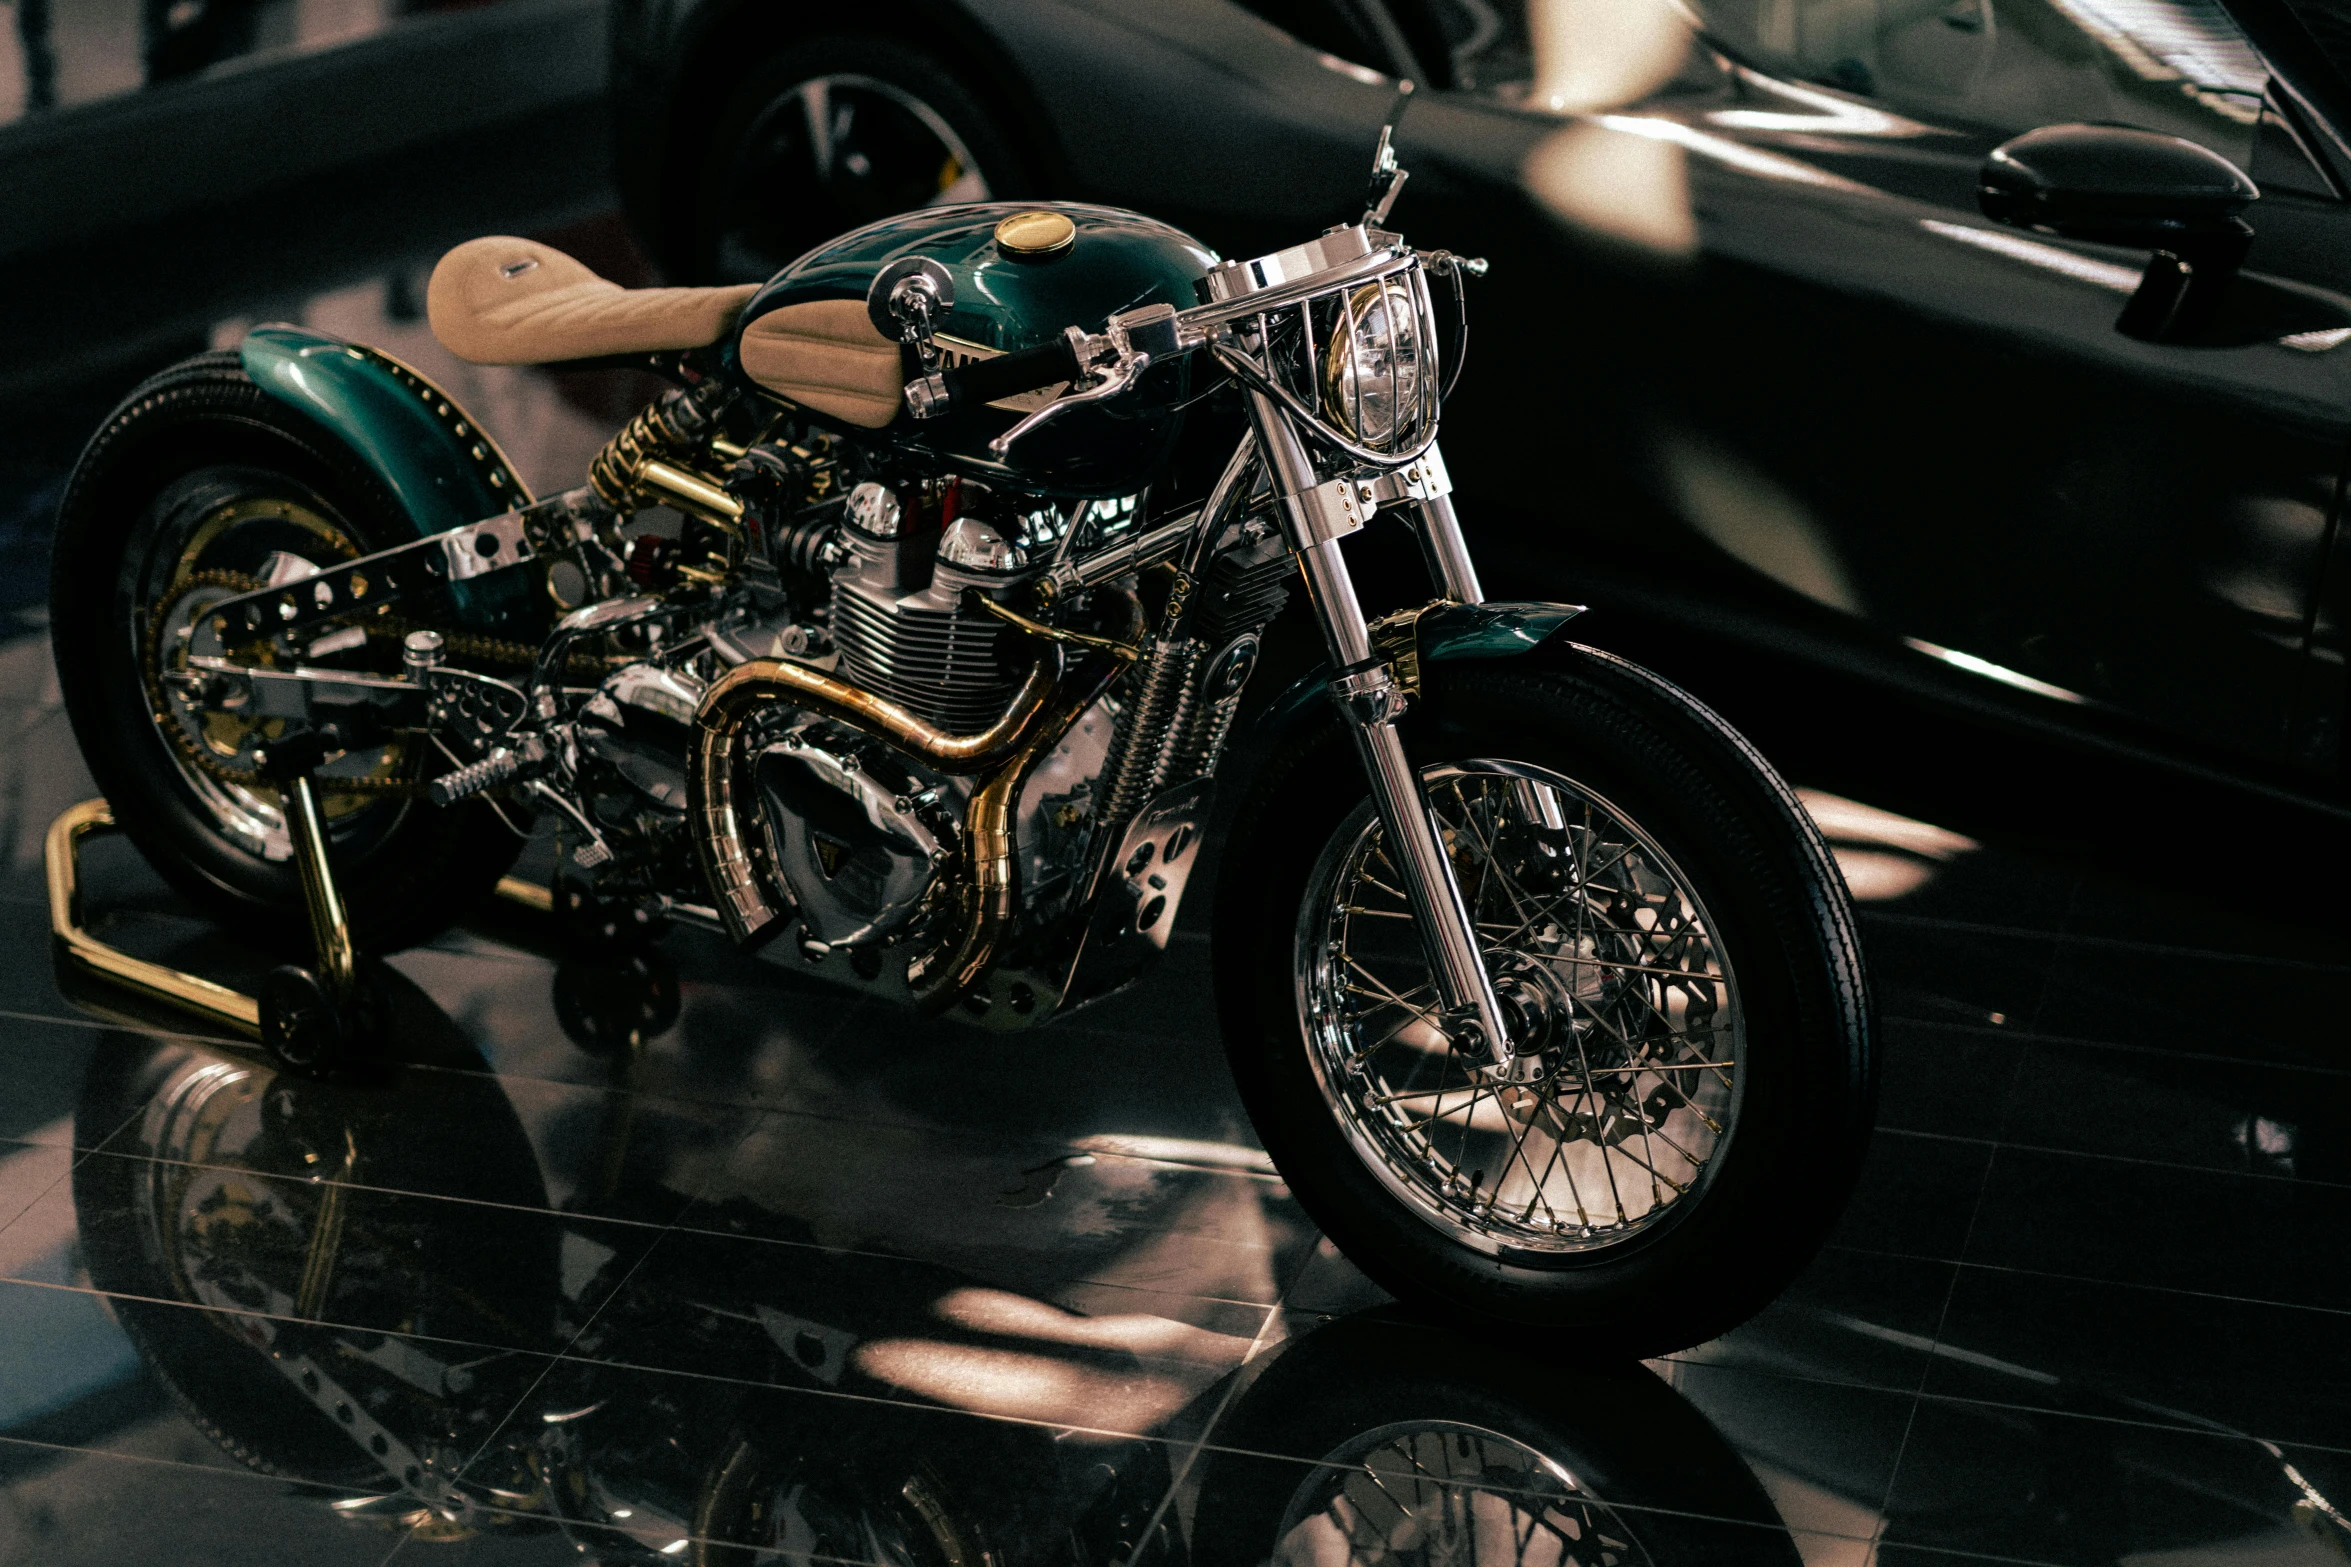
(441, 468)
(1441, 633)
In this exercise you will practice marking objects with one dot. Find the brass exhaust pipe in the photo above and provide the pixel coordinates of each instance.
(1040, 713)
(742, 691)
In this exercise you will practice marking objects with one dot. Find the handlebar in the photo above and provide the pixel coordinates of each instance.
(1097, 366)
(1009, 375)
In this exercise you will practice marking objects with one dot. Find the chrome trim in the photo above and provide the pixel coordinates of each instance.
(1144, 549)
(1340, 246)
(1331, 510)
(330, 927)
(1473, 1011)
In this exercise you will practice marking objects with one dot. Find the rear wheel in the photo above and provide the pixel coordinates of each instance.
(1668, 933)
(199, 487)
(832, 135)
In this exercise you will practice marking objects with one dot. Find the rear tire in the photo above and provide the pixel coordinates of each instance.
(201, 473)
(1694, 932)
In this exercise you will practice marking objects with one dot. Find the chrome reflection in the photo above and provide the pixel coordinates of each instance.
(1991, 671)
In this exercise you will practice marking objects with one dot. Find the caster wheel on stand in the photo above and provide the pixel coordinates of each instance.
(305, 1028)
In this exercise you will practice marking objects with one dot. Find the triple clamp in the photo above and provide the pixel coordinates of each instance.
(1331, 510)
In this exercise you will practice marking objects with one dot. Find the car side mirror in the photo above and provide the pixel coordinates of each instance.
(2113, 185)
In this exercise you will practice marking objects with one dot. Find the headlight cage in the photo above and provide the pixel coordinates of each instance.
(1359, 365)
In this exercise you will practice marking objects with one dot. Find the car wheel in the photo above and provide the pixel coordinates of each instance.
(830, 136)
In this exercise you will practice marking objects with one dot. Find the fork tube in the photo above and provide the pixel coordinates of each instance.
(1439, 531)
(1366, 693)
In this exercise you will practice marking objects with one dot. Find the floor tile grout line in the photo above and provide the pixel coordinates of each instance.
(717, 1169)
(1942, 1320)
(2054, 1151)
(2085, 1042)
(2087, 1278)
(798, 1112)
(1183, 1472)
(2188, 1426)
(220, 1041)
(522, 1400)
(72, 1164)
(2069, 938)
(660, 1229)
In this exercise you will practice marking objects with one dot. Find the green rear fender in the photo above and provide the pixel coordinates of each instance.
(441, 468)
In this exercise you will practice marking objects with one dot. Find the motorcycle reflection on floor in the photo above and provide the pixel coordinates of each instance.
(493, 1366)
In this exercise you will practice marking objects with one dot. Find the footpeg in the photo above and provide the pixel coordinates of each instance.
(500, 766)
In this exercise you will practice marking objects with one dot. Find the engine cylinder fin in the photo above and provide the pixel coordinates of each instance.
(955, 668)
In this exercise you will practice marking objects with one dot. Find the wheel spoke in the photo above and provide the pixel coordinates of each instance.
(1608, 954)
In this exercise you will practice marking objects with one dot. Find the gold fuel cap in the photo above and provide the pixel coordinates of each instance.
(1032, 235)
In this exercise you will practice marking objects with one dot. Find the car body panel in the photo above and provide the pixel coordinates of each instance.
(1840, 411)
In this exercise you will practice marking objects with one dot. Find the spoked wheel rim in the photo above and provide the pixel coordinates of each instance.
(832, 154)
(1605, 955)
(1440, 1491)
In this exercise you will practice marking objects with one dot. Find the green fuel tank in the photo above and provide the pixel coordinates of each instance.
(1011, 293)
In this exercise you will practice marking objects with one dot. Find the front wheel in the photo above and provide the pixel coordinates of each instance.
(1668, 932)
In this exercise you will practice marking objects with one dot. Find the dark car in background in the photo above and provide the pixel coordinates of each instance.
(1767, 372)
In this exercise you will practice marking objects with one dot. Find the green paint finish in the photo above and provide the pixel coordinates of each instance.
(1502, 630)
(1118, 260)
(398, 432)
(1445, 632)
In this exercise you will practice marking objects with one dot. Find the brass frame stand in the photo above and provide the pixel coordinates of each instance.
(81, 952)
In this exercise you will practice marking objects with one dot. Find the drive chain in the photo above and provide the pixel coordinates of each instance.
(460, 644)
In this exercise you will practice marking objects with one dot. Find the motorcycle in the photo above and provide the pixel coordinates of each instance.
(902, 642)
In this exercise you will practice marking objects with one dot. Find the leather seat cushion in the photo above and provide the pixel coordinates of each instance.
(825, 354)
(506, 301)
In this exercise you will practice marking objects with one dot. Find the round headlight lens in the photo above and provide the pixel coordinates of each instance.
(1375, 372)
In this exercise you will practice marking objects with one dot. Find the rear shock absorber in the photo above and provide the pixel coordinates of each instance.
(668, 427)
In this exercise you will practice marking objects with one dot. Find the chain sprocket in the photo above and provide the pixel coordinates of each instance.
(462, 644)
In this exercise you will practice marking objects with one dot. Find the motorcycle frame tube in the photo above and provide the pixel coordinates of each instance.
(1447, 933)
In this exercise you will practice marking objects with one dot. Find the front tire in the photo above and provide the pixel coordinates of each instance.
(1669, 930)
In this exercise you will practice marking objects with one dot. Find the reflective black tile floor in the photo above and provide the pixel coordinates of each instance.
(861, 1289)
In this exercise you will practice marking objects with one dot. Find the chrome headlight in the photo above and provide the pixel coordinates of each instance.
(1379, 372)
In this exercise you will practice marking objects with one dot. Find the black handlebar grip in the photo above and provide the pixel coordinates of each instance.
(1009, 375)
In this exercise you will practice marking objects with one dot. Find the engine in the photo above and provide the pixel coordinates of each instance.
(850, 838)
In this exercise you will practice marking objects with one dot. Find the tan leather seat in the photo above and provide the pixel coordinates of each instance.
(505, 301)
(825, 354)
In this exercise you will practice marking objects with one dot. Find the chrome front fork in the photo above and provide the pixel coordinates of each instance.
(1316, 516)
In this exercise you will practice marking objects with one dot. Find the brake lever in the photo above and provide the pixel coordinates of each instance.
(1117, 376)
